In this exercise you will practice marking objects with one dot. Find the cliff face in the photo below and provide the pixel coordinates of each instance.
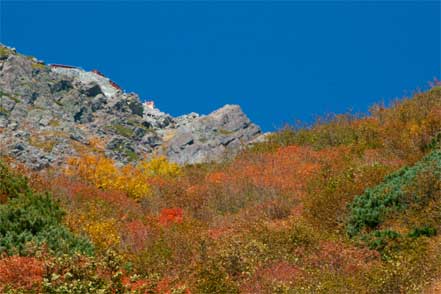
(50, 113)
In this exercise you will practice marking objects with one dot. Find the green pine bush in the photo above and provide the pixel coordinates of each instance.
(12, 185)
(28, 218)
(370, 209)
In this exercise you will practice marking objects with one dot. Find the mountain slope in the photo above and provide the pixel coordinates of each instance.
(348, 205)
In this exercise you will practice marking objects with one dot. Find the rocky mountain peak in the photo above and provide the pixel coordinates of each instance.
(51, 112)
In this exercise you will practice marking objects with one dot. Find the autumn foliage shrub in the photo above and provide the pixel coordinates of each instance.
(19, 272)
(171, 215)
(82, 274)
(257, 180)
(211, 278)
(137, 235)
(339, 257)
(272, 277)
(133, 180)
(103, 173)
(92, 222)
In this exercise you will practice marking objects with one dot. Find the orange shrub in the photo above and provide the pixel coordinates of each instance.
(286, 170)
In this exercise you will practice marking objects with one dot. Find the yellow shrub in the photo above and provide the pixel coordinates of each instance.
(160, 166)
(133, 180)
(102, 231)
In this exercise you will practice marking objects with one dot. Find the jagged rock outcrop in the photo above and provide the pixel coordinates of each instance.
(157, 119)
(211, 137)
(49, 113)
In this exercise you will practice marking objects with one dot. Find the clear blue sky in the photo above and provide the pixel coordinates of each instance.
(279, 61)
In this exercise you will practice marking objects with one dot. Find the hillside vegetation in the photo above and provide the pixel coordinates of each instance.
(351, 204)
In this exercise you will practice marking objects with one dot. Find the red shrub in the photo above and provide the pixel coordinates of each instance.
(75, 192)
(171, 215)
(136, 234)
(138, 286)
(20, 272)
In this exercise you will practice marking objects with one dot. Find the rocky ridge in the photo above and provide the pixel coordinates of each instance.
(49, 113)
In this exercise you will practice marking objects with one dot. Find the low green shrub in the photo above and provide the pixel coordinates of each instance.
(423, 231)
(12, 185)
(370, 209)
(379, 240)
(33, 218)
